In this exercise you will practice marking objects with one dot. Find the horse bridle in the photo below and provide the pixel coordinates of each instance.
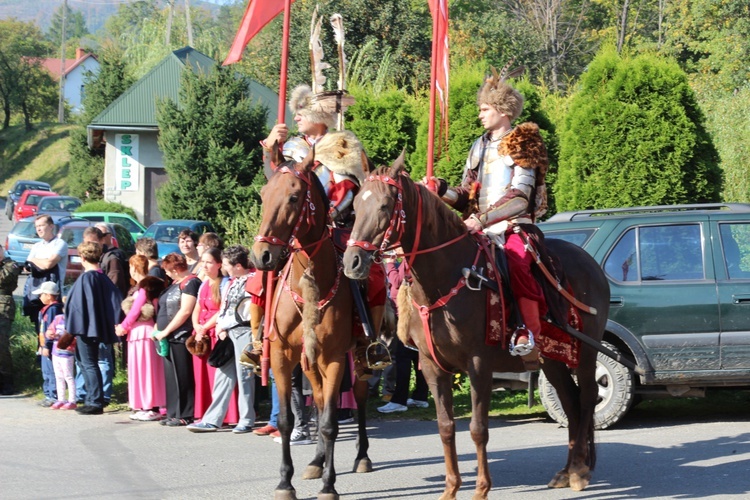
(308, 209)
(397, 222)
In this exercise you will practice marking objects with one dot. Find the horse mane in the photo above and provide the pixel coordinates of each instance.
(436, 214)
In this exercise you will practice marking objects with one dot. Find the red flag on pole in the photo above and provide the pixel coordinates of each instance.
(439, 9)
(257, 15)
(438, 79)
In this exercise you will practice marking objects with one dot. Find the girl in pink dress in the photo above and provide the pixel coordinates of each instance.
(146, 389)
(204, 321)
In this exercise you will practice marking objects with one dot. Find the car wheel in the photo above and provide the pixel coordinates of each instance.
(616, 392)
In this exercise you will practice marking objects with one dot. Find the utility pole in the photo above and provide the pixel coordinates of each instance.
(189, 23)
(61, 102)
(169, 22)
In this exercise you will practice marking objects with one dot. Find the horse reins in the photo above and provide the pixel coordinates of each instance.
(292, 245)
(397, 223)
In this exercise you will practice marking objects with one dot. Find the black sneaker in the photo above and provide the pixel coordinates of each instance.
(90, 410)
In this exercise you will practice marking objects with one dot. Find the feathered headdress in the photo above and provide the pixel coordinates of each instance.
(499, 94)
(311, 101)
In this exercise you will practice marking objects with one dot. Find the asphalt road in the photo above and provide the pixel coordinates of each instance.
(59, 454)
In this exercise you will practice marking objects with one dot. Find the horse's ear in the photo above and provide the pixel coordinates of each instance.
(398, 164)
(277, 155)
(367, 164)
(309, 161)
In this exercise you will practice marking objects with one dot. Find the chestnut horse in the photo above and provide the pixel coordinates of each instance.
(313, 315)
(390, 209)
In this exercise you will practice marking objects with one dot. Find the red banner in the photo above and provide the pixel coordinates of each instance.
(439, 9)
(257, 15)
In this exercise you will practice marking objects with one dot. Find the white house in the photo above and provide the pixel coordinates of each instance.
(75, 71)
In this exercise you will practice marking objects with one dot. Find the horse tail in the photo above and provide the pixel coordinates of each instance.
(404, 311)
(310, 313)
(390, 321)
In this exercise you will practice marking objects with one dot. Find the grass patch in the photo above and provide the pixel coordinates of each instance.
(41, 154)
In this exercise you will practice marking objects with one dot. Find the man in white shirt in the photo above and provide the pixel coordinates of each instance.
(51, 251)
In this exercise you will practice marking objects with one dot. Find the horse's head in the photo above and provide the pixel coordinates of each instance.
(379, 213)
(291, 207)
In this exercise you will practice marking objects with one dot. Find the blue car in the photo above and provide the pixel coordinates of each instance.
(166, 233)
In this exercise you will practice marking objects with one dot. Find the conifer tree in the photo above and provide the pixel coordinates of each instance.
(634, 135)
(211, 145)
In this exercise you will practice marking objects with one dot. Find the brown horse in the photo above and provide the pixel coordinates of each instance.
(391, 208)
(313, 315)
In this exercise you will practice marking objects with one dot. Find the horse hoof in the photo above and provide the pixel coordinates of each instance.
(313, 472)
(285, 494)
(561, 480)
(362, 465)
(579, 482)
(328, 496)
(479, 496)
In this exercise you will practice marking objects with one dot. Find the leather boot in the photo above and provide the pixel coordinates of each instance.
(253, 352)
(530, 313)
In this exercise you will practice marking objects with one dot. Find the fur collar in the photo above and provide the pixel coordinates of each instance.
(342, 153)
(526, 146)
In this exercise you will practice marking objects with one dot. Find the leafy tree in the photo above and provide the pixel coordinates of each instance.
(711, 40)
(86, 176)
(210, 140)
(385, 123)
(727, 121)
(75, 28)
(635, 136)
(23, 84)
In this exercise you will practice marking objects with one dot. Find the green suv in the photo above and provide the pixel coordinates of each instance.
(679, 279)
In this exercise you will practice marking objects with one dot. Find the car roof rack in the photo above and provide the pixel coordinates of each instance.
(580, 214)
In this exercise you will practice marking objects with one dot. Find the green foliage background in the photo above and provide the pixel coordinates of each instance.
(634, 135)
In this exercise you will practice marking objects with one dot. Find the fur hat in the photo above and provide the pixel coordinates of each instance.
(342, 153)
(147, 310)
(499, 94)
(319, 108)
(197, 348)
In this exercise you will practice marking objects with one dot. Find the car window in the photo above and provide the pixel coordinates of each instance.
(621, 263)
(167, 234)
(124, 240)
(95, 218)
(24, 230)
(126, 223)
(33, 199)
(672, 252)
(735, 243)
(73, 236)
(576, 236)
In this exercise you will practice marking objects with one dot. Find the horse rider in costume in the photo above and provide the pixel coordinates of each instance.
(502, 188)
(339, 165)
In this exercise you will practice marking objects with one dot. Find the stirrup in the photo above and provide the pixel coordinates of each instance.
(247, 358)
(521, 349)
(377, 360)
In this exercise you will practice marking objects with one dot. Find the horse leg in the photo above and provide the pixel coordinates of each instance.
(283, 378)
(362, 462)
(582, 456)
(569, 394)
(314, 469)
(480, 375)
(441, 387)
(328, 425)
